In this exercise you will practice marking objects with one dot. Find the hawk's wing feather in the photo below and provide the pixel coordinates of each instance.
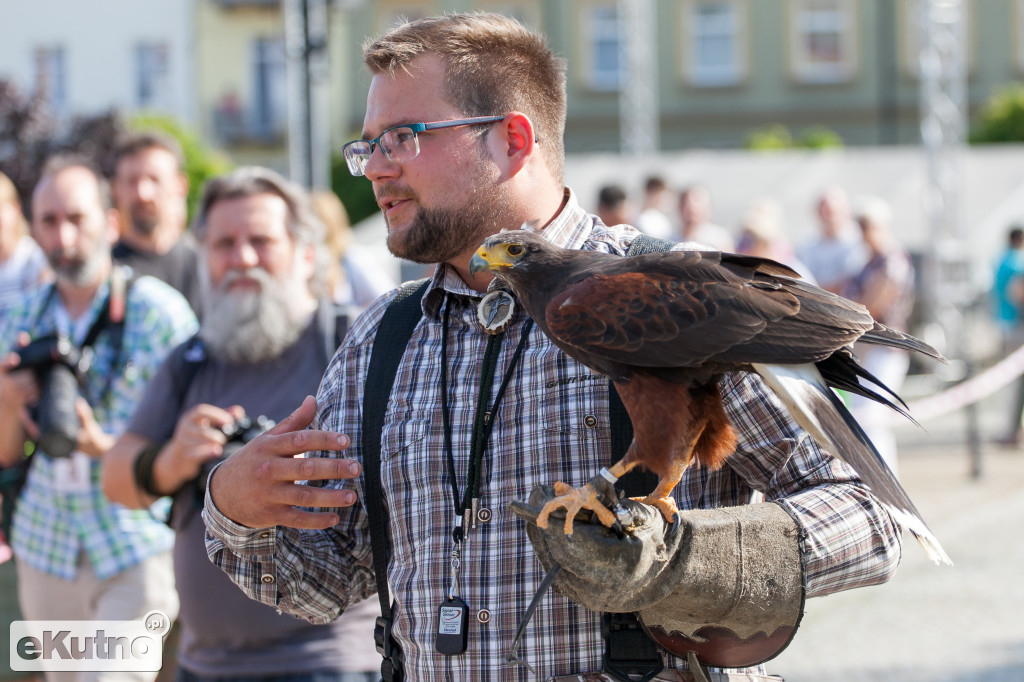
(667, 310)
(822, 414)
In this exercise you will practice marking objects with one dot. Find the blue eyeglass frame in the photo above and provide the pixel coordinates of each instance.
(418, 128)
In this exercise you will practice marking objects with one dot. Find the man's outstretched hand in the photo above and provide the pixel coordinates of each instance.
(257, 487)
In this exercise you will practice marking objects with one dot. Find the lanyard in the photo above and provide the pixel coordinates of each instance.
(483, 422)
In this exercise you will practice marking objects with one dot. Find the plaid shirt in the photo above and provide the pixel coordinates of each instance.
(51, 526)
(552, 424)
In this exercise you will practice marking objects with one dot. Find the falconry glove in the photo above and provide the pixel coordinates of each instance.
(725, 583)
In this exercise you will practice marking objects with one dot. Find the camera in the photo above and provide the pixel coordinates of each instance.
(55, 361)
(238, 433)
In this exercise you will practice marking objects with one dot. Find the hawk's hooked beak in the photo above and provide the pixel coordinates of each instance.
(484, 259)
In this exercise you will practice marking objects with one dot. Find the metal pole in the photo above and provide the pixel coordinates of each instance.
(639, 121)
(943, 135)
(305, 24)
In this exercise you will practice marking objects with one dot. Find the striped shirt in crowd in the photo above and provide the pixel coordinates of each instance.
(62, 511)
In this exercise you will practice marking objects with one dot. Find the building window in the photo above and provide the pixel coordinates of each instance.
(51, 79)
(715, 49)
(602, 46)
(151, 81)
(823, 40)
(270, 87)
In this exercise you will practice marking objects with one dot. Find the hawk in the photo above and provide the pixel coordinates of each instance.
(665, 326)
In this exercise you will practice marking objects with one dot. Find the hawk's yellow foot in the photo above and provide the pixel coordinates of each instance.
(573, 500)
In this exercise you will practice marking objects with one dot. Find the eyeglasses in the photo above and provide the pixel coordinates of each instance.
(400, 144)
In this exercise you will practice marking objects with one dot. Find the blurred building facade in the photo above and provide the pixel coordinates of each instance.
(86, 58)
(725, 67)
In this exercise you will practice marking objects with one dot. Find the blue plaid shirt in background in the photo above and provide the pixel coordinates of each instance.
(552, 425)
(52, 526)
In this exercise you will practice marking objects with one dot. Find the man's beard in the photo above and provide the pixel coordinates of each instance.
(437, 235)
(77, 270)
(143, 223)
(252, 326)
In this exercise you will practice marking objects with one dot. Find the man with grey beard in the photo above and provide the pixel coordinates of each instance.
(262, 347)
(150, 192)
(80, 557)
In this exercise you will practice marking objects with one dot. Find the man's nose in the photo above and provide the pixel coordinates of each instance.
(244, 255)
(380, 166)
(68, 234)
(145, 189)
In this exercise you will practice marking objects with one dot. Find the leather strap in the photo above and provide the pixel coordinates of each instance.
(396, 327)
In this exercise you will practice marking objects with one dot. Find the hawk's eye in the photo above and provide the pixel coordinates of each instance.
(514, 249)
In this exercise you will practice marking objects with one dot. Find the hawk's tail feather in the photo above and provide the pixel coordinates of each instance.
(887, 336)
(841, 370)
(816, 407)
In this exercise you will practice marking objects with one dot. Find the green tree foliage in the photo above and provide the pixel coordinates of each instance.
(1002, 117)
(355, 193)
(778, 136)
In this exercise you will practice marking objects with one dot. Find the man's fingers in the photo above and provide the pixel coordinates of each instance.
(298, 442)
(29, 424)
(312, 497)
(308, 469)
(297, 420)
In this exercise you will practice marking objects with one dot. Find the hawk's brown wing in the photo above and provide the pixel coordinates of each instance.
(671, 310)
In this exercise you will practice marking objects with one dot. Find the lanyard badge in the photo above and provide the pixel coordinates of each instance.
(453, 612)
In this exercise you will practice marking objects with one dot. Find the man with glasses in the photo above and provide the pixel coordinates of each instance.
(463, 138)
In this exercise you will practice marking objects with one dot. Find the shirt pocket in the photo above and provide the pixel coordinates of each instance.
(400, 435)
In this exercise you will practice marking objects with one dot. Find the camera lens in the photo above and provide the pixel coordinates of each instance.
(58, 421)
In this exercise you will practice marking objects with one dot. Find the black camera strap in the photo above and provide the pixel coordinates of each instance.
(110, 318)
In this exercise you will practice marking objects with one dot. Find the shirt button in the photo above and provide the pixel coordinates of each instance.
(264, 535)
(266, 578)
(483, 515)
(484, 616)
(590, 421)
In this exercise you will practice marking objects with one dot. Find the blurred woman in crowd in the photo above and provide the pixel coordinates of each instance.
(22, 263)
(885, 286)
(354, 277)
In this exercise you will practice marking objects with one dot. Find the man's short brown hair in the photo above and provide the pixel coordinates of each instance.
(63, 161)
(494, 65)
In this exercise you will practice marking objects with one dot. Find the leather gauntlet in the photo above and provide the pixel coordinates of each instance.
(725, 583)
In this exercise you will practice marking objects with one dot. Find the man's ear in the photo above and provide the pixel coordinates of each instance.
(183, 184)
(518, 140)
(113, 217)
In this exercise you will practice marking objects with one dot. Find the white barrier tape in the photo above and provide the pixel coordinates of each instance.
(969, 391)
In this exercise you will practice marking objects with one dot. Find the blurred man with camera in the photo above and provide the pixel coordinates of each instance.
(264, 344)
(76, 358)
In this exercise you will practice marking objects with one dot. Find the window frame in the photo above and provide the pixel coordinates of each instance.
(803, 68)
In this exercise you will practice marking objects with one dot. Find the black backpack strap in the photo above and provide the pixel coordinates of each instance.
(393, 334)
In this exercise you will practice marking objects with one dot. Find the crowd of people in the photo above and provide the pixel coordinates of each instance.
(202, 337)
(111, 267)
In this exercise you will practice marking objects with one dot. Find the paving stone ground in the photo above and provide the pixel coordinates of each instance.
(929, 623)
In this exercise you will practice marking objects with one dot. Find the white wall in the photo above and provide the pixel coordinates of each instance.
(99, 37)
